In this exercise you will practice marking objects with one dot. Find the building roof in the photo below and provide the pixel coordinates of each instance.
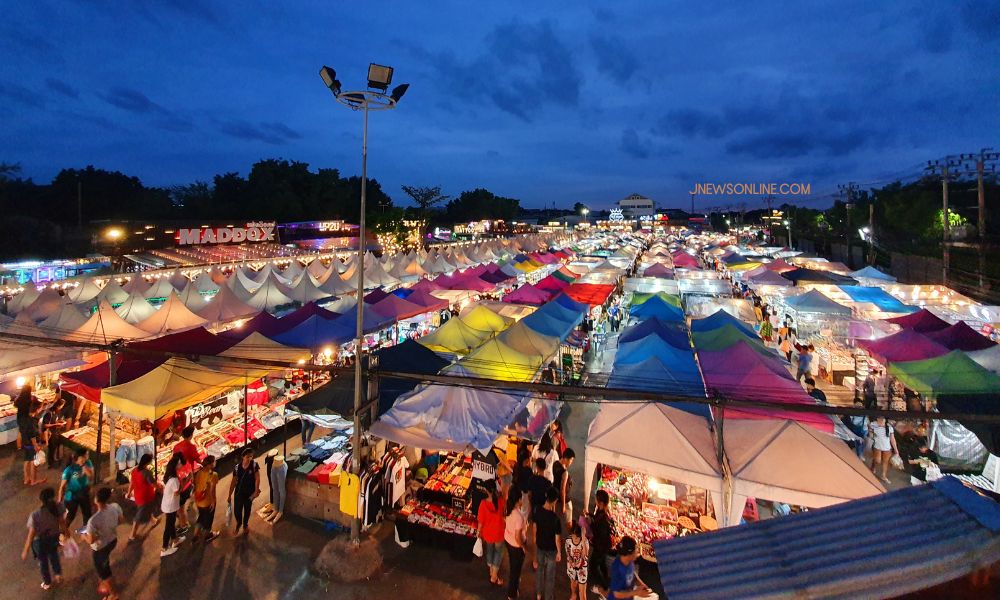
(879, 547)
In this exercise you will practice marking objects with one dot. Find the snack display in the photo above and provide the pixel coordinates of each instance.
(439, 517)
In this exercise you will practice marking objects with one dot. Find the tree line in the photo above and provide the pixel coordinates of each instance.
(42, 218)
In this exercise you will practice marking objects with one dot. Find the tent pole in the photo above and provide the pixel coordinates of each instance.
(246, 412)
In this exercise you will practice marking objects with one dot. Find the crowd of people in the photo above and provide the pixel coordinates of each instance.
(529, 513)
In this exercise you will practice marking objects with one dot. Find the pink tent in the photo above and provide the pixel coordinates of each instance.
(471, 282)
(961, 337)
(552, 284)
(396, 308)
(923, 320)
(426, 285)
(528, 294)
(425, 298)
(779, 266)
(683, 259)
(904, 346)
(445, 281)
(737, 358)
(658, 270)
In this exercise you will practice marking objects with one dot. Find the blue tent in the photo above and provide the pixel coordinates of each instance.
(678, 378)
(671, 332)
(547, 324)
(815, 301)
(721, 318)
(871, 272)
(402, 292)
(567, 302)
(316, 332)
(790, 557)
(657, 307)
(652, 346)
(879, 297)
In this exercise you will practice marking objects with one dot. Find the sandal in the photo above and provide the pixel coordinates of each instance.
(498, 582)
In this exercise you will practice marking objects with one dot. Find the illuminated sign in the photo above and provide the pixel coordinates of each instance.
(255, 231)
(616, 215)
(331, 226)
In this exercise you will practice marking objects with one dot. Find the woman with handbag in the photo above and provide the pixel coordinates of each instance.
(205, 481)
(44, 527)
(491, 530)
(883, 438)
(142, 490)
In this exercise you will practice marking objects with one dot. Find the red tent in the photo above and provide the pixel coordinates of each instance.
(88, 383)
(528, 294)
(923, 320)
(396, 308)
(685, 260)
(551, 284)
(593, 294)
(471, 282)
(961, 337)
(904, 346)
(779, 266)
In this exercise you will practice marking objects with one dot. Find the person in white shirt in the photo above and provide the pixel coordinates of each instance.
(883, 446)
(170, 505)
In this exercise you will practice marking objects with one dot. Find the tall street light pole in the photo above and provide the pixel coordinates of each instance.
(373, 98)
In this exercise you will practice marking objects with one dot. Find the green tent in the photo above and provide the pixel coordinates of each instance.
(724, 337)
(563, 276)
(953, 374)
(640, 297)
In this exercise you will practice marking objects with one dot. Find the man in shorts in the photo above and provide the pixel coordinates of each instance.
(101, 533)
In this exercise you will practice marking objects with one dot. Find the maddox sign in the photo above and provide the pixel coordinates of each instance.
(255, 231)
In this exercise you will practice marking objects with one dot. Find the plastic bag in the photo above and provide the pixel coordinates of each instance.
(477, 548)
(896, 462)
(70, 549)
(39, 458)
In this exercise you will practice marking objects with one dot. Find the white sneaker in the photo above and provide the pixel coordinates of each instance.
(179, 541)
(168, 551)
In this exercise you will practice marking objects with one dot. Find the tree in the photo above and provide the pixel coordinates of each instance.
(579, 207)
(478, 204)
(424, 199)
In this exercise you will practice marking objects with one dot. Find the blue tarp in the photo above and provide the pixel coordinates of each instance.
(657, 307)
(877, 296)
(721, 318)
(671, 332)
(791, 556)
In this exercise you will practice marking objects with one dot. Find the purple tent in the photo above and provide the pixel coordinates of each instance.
(658, 270)
(961, 337)
(427, 300)
(304, 312)
(528, 294)
(426, 285)
(923, 321)
(397, 309)
(904, 346)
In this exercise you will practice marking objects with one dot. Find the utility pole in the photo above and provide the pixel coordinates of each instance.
(848, 191)
(944, 167)
(871, 231)
(985, 162)
(79, 204)
(692, 202)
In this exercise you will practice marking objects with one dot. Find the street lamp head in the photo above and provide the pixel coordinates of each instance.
(330, 79)
(585, 211)
(785, 222)
(114, 234)
(379, 76)
(398, 91)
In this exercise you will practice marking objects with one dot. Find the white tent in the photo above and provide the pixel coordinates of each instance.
(338, 264)
(318, 269)
(178, 280)
(375, 276)
(69, 318)
(45, 305)
(24, 299)
(192, 298)
(204, 282)
(241, 285)
(988, 358)
(86, 291)
(293, 271)
(112, 293)
(335, 286)
(306, 291)
(225, 306)
(105, 326)
(161, 288)
(217, 275)
(786, 461)
(657, 440)
(342, 306)
(442, 417)
(269, 296)
(136, 283)
(135, 308)
(26, 357)
(171, 316)
(258, 347)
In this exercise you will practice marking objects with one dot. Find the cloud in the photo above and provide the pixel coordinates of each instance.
(524, 67)
(777, 143)
(62, 87)
(269, 133)
(633, 146)
(174, 123)
(691, 123)
(614, 59)
(21, 95)
(133, 101)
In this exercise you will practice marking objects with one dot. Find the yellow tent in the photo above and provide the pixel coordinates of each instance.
(258, 347)
(497, 360)
(744, 266)
(177, 383)
(483, 318)
(455, 336)
(527, 341)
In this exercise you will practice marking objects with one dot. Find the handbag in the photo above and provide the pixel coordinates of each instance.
(39, 458)
(70, 549)
(477, 548)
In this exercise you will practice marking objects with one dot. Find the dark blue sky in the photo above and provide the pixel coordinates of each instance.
(543, 101)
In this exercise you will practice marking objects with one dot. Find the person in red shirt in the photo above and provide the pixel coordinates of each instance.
(192, 460)
(491, 531)
(142, 490)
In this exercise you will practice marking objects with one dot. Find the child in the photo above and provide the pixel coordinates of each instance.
(577, 553)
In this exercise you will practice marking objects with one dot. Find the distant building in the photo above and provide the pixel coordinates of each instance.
(636, 205)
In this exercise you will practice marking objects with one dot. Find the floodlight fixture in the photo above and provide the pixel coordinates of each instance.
(398, 91)
(330, 79)
(379, 77)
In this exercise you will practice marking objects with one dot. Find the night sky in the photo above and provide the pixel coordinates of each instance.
(549, 102)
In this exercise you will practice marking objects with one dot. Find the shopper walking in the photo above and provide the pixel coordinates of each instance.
(102, 535)
(601, 531)
(563, 483)
(186, 471)
(548, 541)
(514, 538)
(883, 438)
(142, 490)
(205, 482)
(31, 445)
(170, 505)
(75, 486)
(577, 562)
(805, 362)
(243, 488)
(491, 531)
(44, 526)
